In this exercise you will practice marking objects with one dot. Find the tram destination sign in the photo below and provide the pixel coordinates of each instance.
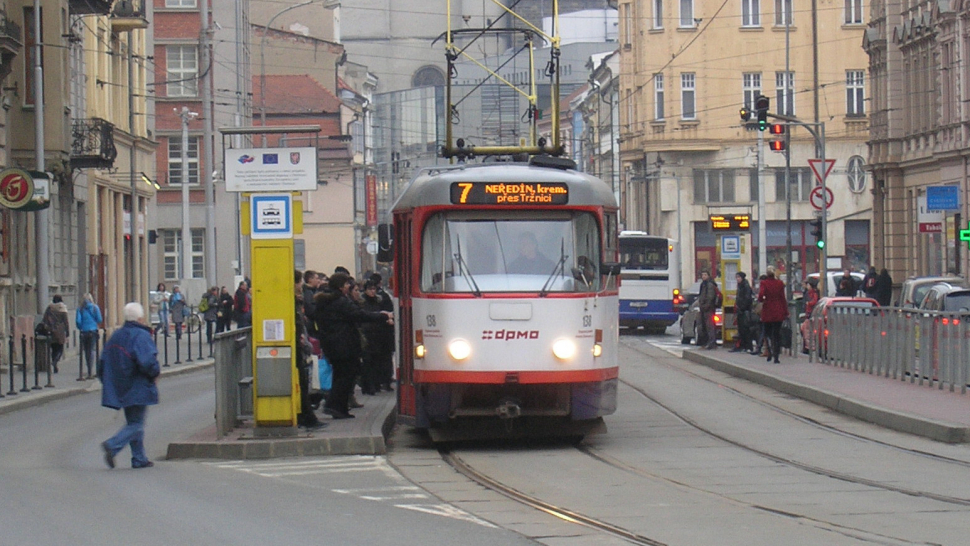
(730, 222)
(509, 193)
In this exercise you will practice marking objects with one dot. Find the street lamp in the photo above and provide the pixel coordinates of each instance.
(327, 4)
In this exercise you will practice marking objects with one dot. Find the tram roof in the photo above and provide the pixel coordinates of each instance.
(432, 186)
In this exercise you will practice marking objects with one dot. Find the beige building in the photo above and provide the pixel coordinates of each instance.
(110, 48)
(686, 69)
(919, 142)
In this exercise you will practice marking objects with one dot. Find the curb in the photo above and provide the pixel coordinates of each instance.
(940, 431)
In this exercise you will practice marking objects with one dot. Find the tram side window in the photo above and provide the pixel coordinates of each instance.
(586, 268)
(433, 254)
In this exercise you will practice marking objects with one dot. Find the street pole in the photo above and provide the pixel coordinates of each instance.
(790, 275)
(207, 153)
(762, 223)
(41, 217)
(134, 267)
(186, 229)
(823, 252)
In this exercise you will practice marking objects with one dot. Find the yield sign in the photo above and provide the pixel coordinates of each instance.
(816, 163)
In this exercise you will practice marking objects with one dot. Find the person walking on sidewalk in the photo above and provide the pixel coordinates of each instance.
(224, 315)
(707, 302)
(210, 312)
(743, 302)
(242, 306)
(127, 370)
(773, 312)
(87, 318)
(883, 292)
(55, 318)
(179, 308)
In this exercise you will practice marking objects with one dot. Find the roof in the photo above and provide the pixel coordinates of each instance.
(294, 94)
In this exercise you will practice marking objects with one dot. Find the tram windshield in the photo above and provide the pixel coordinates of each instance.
(554, 251)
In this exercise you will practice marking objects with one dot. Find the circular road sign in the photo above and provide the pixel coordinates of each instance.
(815, 198)
(16, 188)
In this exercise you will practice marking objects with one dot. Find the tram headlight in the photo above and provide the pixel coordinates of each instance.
(597, 350)
(564, 349)
(419, 351)
(459, 349)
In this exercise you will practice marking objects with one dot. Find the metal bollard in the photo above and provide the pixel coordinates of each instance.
(165, 365)
(37, 355)
(12, 391)
(200, 336)
(178, 338)
(80, 362)
(1, 386)
(50, 365)
(23, 353)
(188, 336)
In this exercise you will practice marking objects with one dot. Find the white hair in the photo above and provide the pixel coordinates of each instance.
(134, 311)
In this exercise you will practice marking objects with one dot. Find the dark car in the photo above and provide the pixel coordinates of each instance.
(946, 297)
(690, 323)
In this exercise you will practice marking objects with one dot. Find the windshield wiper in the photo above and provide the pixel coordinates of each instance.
(466, 272)
(559, 266)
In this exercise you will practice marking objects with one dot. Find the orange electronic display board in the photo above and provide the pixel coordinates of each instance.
(730, 222)
(509, 193)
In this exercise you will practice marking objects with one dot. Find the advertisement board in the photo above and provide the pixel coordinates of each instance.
(271, 169)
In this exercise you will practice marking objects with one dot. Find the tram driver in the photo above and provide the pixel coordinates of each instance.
(529, 260)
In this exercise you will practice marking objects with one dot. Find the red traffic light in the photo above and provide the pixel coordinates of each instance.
(777, 129)
(777, 145)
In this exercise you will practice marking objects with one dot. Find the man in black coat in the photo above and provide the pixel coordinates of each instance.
(743, 301)
(337, 318)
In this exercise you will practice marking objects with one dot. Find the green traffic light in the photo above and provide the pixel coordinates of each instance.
(762, 124)
(820, 244)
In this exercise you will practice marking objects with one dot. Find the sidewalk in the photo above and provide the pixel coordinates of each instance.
(895, 404)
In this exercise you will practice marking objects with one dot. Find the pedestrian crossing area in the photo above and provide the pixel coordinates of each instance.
(384, 483)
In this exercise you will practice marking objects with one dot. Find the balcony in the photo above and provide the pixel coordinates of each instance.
(128, 15)
(92, 144)
(89, 7)
(10, 43)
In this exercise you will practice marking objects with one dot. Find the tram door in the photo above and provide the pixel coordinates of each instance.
(406, 256)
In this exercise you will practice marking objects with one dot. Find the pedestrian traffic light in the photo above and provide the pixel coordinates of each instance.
(761, 104)
(745, 113)
(778, 143)
(817, 233)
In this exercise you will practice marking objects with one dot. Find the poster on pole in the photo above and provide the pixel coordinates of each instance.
(271, 169)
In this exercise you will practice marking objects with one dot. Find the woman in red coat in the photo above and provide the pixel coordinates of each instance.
(774, 311)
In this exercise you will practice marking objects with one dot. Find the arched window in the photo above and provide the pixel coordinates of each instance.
(428, 76)
(857, 174)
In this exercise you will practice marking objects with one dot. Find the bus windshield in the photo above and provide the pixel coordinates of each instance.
(553, 251)
(644, 253)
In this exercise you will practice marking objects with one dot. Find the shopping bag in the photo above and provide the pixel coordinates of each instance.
(786, 335)
(325, 373)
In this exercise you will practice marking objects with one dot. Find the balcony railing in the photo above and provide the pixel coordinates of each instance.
(92, 144)
(89, 7)
(10, 43)
(128, 15)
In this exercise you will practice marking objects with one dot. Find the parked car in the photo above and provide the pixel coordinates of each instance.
(914, 289)
(946, 297)
(690, 323)
(818, 321)
(688, 296)
(833, 277)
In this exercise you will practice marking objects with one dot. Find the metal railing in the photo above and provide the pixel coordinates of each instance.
(926, 347)
(233, 352)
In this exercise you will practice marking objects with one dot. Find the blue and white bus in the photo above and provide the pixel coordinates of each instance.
(650, 291)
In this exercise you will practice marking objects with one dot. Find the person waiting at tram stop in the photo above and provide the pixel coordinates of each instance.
(211, 312)
(774, 311)
(707, 302)
(529, 260)
(337, 319)
(224, 314)
(743, 302)
(379, 348)
(810, 297)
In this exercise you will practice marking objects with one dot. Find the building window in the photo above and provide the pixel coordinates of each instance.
(750, 13)
(172, 253)
(783, 14)
(182, 71)
(428, 76)
(179, 3)
(785, 93)
(751, 84)
(713, 186)
(801, 183)
(857, 174)
(658, 96)
(658, 13)
(853, 12)
(175, 161)
(687, 13)
(855, 92)
(687, 106)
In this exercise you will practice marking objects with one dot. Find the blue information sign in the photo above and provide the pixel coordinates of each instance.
(942, 198)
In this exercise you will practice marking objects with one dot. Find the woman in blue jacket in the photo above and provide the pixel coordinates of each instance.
(87, 318)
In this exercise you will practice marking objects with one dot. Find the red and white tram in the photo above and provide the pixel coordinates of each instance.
(506, 281)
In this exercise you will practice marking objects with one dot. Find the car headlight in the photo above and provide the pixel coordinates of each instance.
(564, 349)
(459, 349)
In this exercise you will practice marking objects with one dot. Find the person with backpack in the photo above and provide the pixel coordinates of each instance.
(209, 307)
(707, 301)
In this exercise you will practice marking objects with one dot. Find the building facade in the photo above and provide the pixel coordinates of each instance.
(920, 133)
(686, 68)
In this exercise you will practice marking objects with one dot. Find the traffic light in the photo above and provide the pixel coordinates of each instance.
(817, 233)
(761, 104)
(745, 113)
(778, 143)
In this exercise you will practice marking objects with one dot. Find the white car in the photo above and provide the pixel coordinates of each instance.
(834, 276)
